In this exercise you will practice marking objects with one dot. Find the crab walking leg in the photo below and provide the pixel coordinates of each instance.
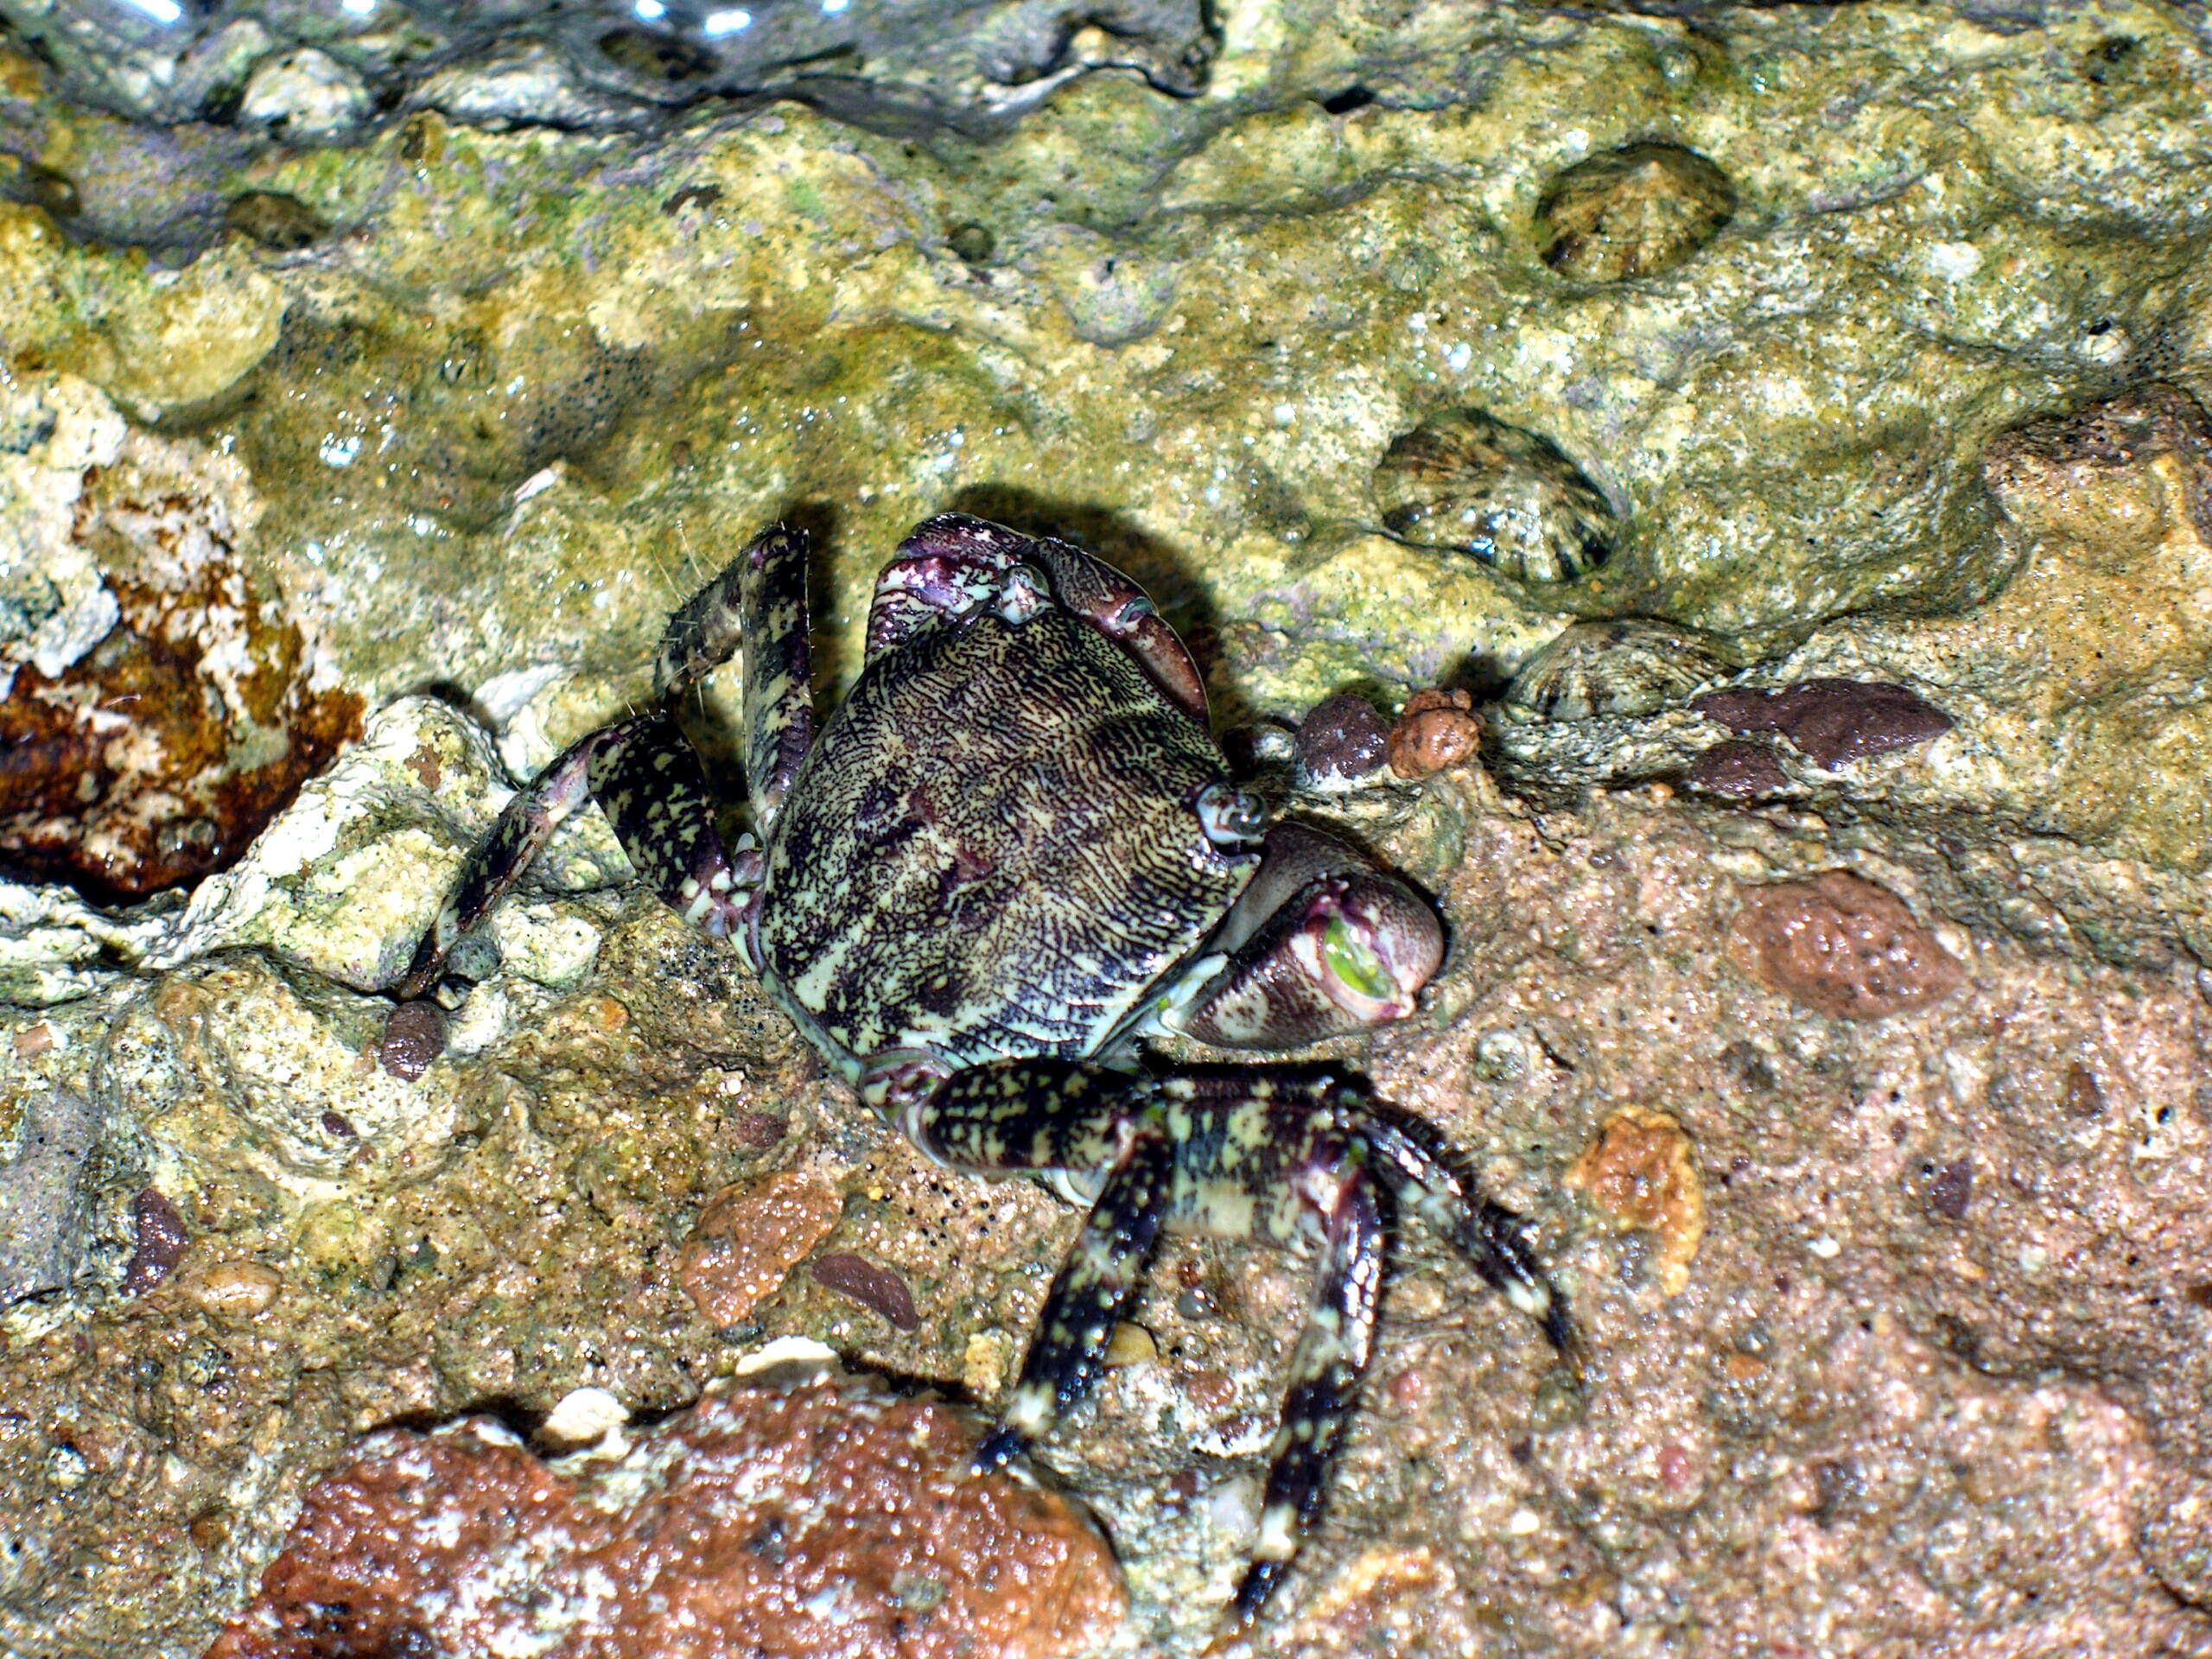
(654, 792)
(517, 836)
(1487, 1234)
(1325, 1372)
(650, 782)
(757, 603)
(1093, 1288)
(779, 668)
(1287, 1159)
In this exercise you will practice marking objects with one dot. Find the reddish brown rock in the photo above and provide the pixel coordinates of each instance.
(1832, 722)
(1437, 730)
(820, 1518)
(1640, 1172)
(162, 1238)
(749, 1238)
(156, 757)
(1844, 946)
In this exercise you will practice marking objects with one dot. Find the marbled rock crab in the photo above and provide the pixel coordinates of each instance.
(1012, 855)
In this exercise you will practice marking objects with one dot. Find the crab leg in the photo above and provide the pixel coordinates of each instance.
(648, 780)
(758, 602)
(1290, 1158)
(647, 777)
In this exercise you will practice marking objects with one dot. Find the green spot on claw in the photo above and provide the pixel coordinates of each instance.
(1353, 961)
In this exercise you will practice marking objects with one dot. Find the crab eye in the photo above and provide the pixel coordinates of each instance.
(1353, 961)
(1231, 816)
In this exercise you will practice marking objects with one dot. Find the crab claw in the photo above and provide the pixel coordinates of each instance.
(1339, 946)
(1370, 946)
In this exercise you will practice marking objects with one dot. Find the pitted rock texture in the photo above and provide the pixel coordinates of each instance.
(1844, 945)
(823, 1519)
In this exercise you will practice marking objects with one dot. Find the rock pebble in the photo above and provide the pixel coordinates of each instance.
(1842, 945)
(749, 1238)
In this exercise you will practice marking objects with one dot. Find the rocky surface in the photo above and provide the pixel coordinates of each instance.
(810, 1517)
(1851, 1085)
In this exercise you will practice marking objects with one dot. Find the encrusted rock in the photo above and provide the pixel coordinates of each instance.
(818, 1518)
(1437, 730)
(41, 1204)
(1640, 1170)
(305, 94)
(1342, 739)
(155, 724)
(1832, 722)
(1640, 210)
(1842, 945)
(1744, 769)
(1508, 499)
(749, 1238)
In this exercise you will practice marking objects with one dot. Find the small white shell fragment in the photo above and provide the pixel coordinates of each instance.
(788, 1351)
(583, 1417)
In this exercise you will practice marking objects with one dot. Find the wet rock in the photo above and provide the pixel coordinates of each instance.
(1842, 945)
(2106, 473)
(1622, 668)
(2177, 1539)
(304, 96)
(820, 1518)
(160, 715)
(1745, 771)
(1437, 730)
(1640, 210)
(870, 1285)
(42, 1200)
(1832, 722)
(1342, 739)
(1641, 1171)
(36, 185)
(748, 1239)
(162, 1238)
(1508, 499)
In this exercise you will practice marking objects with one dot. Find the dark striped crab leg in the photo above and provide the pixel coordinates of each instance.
(1288, 1159)
(647, 776)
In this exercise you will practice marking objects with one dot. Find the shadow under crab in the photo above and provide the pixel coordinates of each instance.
(1013, 855)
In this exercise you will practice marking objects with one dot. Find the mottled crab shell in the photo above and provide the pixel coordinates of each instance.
(1509, 498)
(1626, 666)
(1639, 211)
(991, 849)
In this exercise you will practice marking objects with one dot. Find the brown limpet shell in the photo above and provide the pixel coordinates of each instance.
(1642, 210)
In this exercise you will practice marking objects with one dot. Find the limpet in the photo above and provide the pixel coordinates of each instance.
(1625, 667)
(1639, 211)
(1507, 498)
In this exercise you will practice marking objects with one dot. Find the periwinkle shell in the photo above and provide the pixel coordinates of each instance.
(1507, 498)
(1639, 211)
(1625, 667)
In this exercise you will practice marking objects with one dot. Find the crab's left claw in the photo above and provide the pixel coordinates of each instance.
(1322, 943)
